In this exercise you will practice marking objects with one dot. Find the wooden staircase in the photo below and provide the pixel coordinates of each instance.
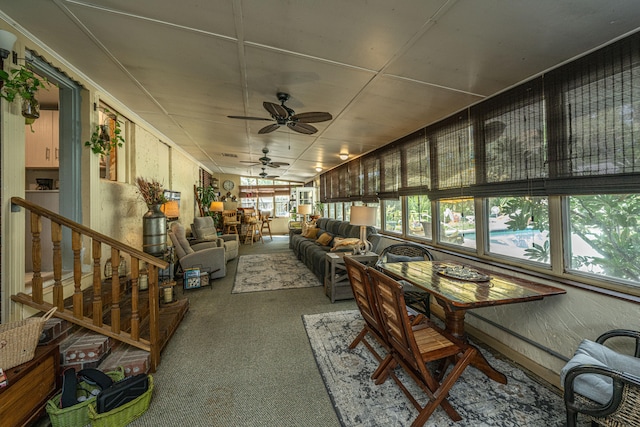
(115, 308)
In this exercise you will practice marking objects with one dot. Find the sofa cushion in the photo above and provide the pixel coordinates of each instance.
(324, 239)
(593, 386)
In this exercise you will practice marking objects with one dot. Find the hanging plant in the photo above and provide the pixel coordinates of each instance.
(101, 141)
(22, 82)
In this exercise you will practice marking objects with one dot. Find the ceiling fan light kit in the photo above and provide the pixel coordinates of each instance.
(344, 156)
(285, 116)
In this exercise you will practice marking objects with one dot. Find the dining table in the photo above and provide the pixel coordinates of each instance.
(458, 287)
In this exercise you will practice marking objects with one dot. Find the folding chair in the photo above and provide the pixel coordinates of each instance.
(414, 346)
(366, 301)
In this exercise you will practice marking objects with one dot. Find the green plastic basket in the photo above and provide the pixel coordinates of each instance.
(124, 414)
(76, 415)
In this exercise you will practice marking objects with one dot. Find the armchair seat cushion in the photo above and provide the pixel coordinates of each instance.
(598, 388)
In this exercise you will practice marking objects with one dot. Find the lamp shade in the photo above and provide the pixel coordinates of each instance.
(7, 40)
(171, 209)
(363, 215)
(304, 209)
(216, 206)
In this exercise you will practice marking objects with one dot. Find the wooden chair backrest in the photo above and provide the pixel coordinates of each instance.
(229, 216)
(364, 296)
(395, 319)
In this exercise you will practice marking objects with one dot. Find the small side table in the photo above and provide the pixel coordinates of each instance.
(336, 280)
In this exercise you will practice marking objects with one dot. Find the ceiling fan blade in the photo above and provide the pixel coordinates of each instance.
(279, 164)
(302, 128)
(275, 110)
(271, 165)
(269, 128)
(249, 118)
(273, 176)
(312, 117)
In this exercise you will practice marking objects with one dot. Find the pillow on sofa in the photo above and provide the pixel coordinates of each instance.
(344, 244)
(312, 233)
(306, 230)
(324, 239)
(403, 258)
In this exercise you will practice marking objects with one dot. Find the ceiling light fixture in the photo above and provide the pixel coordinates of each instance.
(318, 169)
(344, 156)
(7, 40)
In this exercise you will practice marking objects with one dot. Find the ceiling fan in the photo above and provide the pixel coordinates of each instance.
(266, 161)
(264, 174)
(284, 115)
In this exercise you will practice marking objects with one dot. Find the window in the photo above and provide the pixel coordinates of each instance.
(419, 215)
(332, 210)
(267, 195)
(339, 211)
(605, 235)
(372, 205)
(111, 131)
(392, 216)
(457, 222)
(519, 227)
(347, 211)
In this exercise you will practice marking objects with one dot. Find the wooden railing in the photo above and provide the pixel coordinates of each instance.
(76, 313)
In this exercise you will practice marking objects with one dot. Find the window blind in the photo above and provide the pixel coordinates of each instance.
(597, 115)
(414, 164)
(452, 153)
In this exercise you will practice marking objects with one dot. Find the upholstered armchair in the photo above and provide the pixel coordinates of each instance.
(207, 256)
(204, 230)
(230, 243)
(602, 384)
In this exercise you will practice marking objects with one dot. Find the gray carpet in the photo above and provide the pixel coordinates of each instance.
(479, 400)
(272, 271)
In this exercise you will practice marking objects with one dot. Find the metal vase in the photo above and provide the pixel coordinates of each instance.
(154, 231)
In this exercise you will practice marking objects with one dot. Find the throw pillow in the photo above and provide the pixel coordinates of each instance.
(403, 258)
(306, 229)
(344, 244)
(312, 233)
(324, 239)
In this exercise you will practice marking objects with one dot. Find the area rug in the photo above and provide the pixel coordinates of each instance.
(268, 272)
(479, 400)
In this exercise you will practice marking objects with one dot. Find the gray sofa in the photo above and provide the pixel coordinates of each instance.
(312, 254)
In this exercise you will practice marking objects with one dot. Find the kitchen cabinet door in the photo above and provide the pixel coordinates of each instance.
(42, 150)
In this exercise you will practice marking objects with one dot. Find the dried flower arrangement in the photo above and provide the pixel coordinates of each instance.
(151, 191)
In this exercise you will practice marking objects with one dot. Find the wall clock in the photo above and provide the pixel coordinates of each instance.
(228, 185)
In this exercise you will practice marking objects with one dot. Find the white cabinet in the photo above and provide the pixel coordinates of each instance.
(42, 149)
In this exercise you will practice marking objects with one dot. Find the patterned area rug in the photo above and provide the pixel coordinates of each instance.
(479, 400)
(268, 272)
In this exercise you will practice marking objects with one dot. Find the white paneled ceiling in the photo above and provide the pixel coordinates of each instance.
(381, 68)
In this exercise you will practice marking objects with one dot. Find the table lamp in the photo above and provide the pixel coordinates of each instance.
(217, 208)
(171, 209)
(363, 216)
(305, 210)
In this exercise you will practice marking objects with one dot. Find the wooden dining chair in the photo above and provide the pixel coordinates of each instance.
(230, 221)
(367, 304)
(413, 346)
(265, 218)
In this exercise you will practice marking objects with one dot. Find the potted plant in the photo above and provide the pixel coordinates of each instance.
(24, 83)
(207, 195)
(101, 142)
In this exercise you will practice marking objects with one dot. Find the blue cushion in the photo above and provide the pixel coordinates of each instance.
(593, 386)
(403, 258)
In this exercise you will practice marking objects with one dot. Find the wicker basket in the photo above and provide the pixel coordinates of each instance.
(122, 415)
(78, 414)
(18, 340)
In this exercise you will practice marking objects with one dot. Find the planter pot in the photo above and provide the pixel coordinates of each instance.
(154, 231)
(30, 108)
